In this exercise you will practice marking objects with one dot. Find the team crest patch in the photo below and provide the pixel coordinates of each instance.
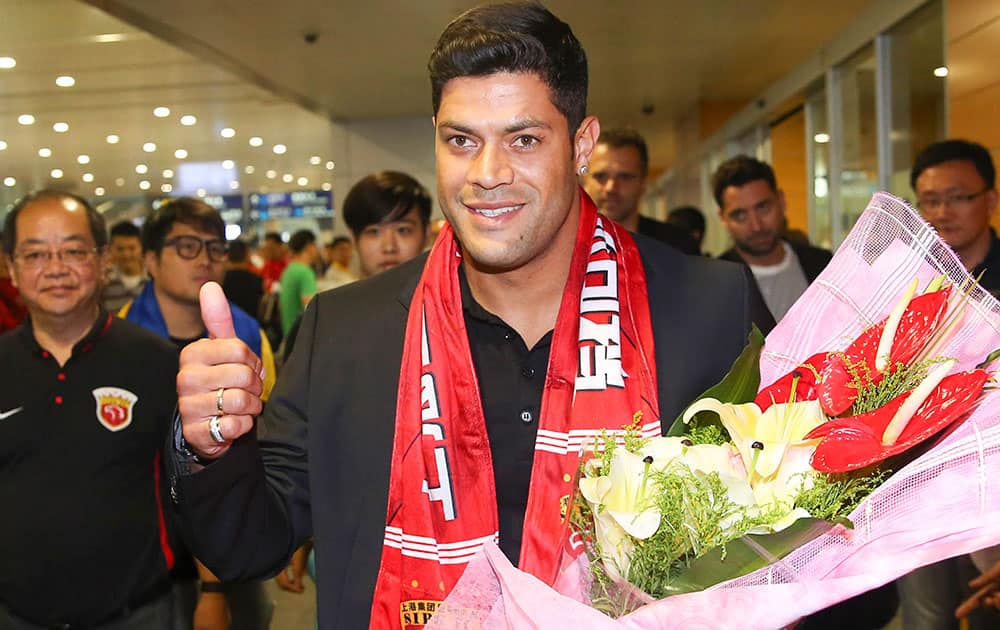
(114, 407)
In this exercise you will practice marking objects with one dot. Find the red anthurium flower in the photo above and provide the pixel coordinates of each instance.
(856, 442)
(805, 387)
(836, 389)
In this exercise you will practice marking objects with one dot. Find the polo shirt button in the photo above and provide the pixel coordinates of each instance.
(45, 354)
(61, 377)
(508, 336)
(58, 400)
(526, 417)
(528, 372)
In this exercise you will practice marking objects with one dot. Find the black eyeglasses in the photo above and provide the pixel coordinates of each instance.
(189, 247)
(933, 202)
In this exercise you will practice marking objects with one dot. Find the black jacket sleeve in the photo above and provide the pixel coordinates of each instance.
(245, 514)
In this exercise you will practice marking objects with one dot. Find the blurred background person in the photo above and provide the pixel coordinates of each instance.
(616, 180)
(691, 221)
(752, 209)
(243, 286)
(12, 311)
(275, 259)
(126, 274)
(298, 281)
(339, 254)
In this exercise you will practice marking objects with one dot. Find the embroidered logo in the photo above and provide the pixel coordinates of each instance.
(114, 407)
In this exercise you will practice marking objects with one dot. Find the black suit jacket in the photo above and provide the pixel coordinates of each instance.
(246, 513)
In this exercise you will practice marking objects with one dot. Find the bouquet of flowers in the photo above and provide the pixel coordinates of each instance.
(870, 451)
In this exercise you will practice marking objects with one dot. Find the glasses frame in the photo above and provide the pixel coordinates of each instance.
(950, 200)
(177, 241)
(63, 255)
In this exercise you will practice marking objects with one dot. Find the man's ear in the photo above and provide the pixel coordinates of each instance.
(991, 201)
(585, 140)
(152, 264)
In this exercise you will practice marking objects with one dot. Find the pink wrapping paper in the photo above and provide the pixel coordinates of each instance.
(944, 504)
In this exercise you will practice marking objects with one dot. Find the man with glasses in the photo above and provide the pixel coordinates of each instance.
(184, 247)
(752, 209)
(85, 410)
(954, 181)
(955, 185)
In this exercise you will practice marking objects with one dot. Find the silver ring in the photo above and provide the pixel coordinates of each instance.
(216, 430)
(218, 401)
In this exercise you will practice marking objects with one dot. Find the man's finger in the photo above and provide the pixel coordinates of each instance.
(215, 312)
(971, 604)
(991, 575)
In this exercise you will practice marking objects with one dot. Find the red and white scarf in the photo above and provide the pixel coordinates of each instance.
(442, 497)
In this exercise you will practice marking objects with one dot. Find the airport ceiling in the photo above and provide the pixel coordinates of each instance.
(281, 71)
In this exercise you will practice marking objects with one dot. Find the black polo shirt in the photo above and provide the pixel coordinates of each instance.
(511, 380)
(990, 267)
(82, 533)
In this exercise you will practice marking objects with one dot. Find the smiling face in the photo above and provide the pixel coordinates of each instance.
(62, 287)
(507, 170)
(178, 279)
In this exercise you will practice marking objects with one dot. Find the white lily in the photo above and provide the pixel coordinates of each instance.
(625, 492)
(771, 442)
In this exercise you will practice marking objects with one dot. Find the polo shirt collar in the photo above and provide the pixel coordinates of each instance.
(101, 325)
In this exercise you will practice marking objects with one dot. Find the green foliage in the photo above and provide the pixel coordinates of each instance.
(900, 379)
(709, 434)
(738, 386)
(834, 497)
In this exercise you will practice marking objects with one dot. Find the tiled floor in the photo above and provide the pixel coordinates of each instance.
(293, 611)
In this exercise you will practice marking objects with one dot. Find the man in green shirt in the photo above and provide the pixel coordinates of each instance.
(298, 281)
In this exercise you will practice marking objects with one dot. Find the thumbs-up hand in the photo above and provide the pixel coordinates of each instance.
(220, 381)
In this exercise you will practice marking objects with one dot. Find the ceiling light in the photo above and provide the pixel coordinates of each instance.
(822, 138)
(167, 188)
(326, 186)
(45, 152)
(287, 178)
(188, 120)
(60, 127)
(167, 173)
(9, 182)
(149, 147)
(109, 38)
(200, 192)
(112, 139)
(941, 71)
(99, 191)
(26, 119)
(228, 164)
(6, 63)
(271, 174)
(302, 181)
(3, 145)
(248, 169)
(234, 184)
(279, 149)
(256, 141)
(56, 173)
(330, 166)
(161, 112)
(180, 154)
(228, 132)
(120, 181)
(141, 169)
(315, 160)
(88, 177)
(83, 159)
(65, 81)
(144, 185)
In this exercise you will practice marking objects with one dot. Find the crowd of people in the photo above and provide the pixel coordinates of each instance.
(341, 410)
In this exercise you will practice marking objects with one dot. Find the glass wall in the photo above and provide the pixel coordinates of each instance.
(818, 167)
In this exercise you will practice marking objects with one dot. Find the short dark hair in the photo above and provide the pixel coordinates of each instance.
(338, 240)
(185, 210)
(237, 251)
(687, 218)
(126, 229)
(383, 197)
(517, 37)
(740, 171)
(94, 218)
(300, 240)
(274, 236)
(625, 137)
(949, 150)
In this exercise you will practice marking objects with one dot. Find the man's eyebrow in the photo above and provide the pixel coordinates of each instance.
(526, 123)
(38, 241)
(455, 126)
